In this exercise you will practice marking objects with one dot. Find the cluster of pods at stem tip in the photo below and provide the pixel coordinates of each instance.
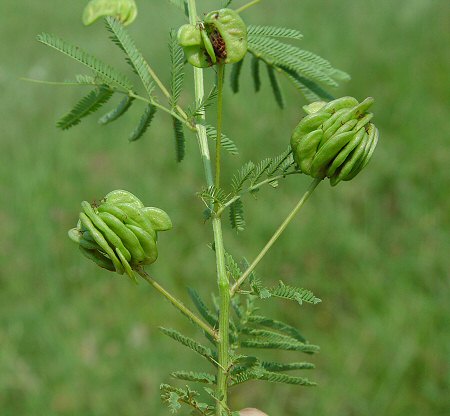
(335, 140)
(221, 38)
(120, 234)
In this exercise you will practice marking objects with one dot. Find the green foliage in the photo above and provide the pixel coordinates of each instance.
(250, 174)
(180, 140)
(189, 343)
(204, 378)
(109, 75)
(273, 31)
(292, 293)
(121, 38)
(275, 86)
(306, 70)
(277, 325)
(199, 106)
(255, 73)
(182, 5)
(117, 112)
(236, 215)
(175, 397)
(235, 73)
(213, 195)
(87, 105)
(287, 345)
(225, 141)
(176, 68)
(232, 267)
(144, 123)
(207, 314)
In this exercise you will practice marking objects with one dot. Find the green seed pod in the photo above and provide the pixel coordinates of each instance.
(123, 10)
(190, 39)
(228, 34)
(120, 234)
(335, 140)
(221, 38)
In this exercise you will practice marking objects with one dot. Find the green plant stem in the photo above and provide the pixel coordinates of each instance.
(224, 316)
(177, 303)
(275, 236)
(247, 6)
(220, 75)
(182, 116)
(255, 187)
(224, 285)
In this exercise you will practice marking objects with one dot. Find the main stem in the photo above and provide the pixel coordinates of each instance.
(224, 285)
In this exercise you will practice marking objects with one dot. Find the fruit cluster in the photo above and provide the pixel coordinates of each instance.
(220, 38)
(120, 234)
(335, 140)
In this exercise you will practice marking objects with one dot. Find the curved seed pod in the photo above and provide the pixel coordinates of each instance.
(228, 34)
(89, 245)
(136, 216)
(343, 102)
(98, 258)
(147, 242)
(75, 235)
(101, 241)
(335, 140)
(190, 39)
(126, 265)
(112, 238)
(120, 196)
(123, 10)
(120, 235)
(127, 237)
(158, 218)
(221, 38)
(113, 210)
(208, 45)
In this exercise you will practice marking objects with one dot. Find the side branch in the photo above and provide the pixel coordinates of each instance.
(178, 304)
(275, 237)
(255, 187)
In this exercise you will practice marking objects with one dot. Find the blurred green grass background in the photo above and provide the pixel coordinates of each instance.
(77, 340)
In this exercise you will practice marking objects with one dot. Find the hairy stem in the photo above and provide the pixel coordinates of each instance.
(178, 304)
(224, 285)
(255, 187)
(276, 235)
(220, 75)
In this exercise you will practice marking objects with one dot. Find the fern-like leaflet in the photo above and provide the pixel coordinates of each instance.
(108, 74)
(225, 141)
(204, 378)
(144, 123)
(121, 38)
(189, 343)
(87, 105)
(250, 174)
(117, 112)
(306, 70)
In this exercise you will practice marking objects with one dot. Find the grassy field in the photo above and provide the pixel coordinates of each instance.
(75, 340)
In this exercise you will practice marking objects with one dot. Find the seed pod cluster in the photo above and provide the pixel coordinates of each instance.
(220, 38)
(335, 140)
(123, 10)
(120, 234)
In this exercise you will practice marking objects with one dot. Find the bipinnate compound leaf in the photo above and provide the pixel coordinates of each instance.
(108, 74)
